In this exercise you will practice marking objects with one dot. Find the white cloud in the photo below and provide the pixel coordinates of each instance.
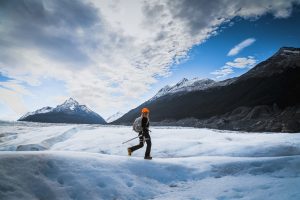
(246, 62)
(242, 62)
(224, 71)
(11, 93)
(236, 49)
(111, 53)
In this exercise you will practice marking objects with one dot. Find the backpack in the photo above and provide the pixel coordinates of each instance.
(137, 124)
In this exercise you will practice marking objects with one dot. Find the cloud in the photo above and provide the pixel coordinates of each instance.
(200, 14)
(224, 71)
(236, 49)
(11, 94)
(241, 63)
(109, 53)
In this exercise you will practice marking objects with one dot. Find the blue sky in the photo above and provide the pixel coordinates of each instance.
(270, 34)
(114, 55)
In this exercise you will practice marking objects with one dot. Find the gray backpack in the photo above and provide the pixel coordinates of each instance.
(137, 124)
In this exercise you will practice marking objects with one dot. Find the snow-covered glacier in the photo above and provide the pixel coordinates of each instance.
(69, 161)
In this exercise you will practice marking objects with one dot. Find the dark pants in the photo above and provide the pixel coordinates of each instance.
(141, 144)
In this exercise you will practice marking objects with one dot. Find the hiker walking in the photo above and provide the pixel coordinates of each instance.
(141, 125)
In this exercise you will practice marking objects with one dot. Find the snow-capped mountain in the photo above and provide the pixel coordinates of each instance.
(263, 98)
(69, 104)
(72, 105)
(185, 85)
(68, 112)
(275, 64)
(114, 117)
(195, 84)
(39, 111)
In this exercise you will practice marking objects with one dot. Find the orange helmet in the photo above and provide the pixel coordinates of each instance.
(145, 110)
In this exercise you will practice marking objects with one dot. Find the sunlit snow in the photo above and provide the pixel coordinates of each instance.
(58, 161)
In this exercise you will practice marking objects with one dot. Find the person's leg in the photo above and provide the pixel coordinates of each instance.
(148, 149)
(140, 145)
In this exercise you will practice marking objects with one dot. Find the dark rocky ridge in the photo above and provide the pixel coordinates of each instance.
(251, 119)
(275, 81)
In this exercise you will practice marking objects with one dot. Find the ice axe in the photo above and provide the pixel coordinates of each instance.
(130, 140)
(133, 138)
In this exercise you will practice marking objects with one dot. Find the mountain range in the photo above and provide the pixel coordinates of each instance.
(68, 112)
(266, 98)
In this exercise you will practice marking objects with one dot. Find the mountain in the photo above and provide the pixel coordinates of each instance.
(114, 117)
(266, 98)
(68, 112)
(185, 85)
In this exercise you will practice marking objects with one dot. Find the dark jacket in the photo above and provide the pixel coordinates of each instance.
(145, 125)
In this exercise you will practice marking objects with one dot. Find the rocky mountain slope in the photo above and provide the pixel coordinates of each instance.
(267, 96)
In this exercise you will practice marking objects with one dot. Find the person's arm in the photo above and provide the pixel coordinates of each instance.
(144, 124)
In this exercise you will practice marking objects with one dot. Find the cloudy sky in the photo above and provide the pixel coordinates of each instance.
(114, 55)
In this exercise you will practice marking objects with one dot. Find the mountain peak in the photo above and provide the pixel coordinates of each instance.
(285, 58)
(285, 51)
(70, 104)
(289, 48)
(184, 80)
(71, 101)
(185, 85)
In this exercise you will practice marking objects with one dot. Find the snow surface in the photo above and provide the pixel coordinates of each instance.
(57, 161)
(290, 51)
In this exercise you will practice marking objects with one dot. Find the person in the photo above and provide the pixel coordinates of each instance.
(143, 135)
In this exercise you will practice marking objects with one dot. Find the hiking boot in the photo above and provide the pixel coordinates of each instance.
(148, 158)
(129, 151)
